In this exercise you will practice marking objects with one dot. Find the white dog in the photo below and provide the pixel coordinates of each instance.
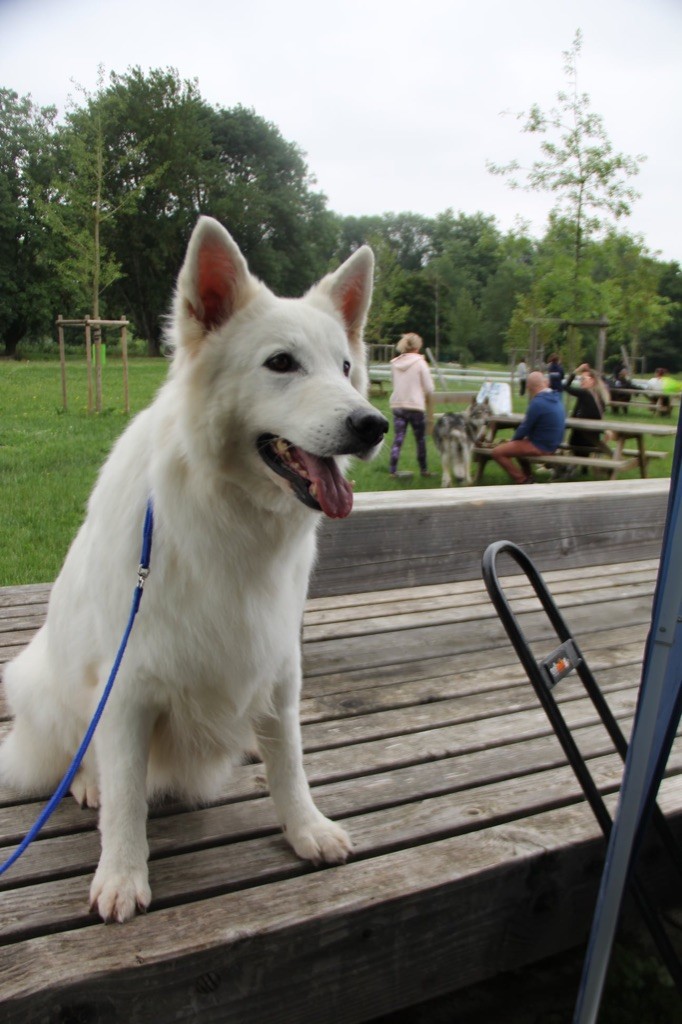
(242, 447)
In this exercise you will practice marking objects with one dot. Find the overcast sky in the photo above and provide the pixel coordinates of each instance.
(397, 105)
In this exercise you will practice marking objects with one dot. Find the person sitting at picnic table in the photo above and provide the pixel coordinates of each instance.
(655, 385)
(591, 397)
(664, 385)
(620, 386)
(539, 433)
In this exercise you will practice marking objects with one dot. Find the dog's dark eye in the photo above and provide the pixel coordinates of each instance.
(282, 362)
(346, 368)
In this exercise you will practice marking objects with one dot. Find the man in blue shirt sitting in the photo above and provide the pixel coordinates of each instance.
(540, 432)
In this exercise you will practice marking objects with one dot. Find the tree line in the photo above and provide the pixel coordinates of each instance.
(96, 210)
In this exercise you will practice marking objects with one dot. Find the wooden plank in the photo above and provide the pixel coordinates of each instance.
(420, 600)
(429, 537)
(77, 853)
(457, 613)
(379, 933)
(366, 693)
(201, 872)
(388, 656)
(396, 647)
(467, 586)
(17, 623)
(241, 810)
(453, 397)
(482, 454)
(27, 594)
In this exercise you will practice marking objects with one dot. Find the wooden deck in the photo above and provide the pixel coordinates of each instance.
(474, 852)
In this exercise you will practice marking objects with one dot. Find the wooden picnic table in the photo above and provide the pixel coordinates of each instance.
(620, 432)
(474, 850)
(660, 403)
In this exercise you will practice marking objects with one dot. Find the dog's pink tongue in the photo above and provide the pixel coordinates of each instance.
(332, 490)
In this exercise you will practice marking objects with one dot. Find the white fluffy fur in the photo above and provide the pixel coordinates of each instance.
(213, 664)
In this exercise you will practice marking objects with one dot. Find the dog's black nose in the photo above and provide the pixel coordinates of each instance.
(368, 426)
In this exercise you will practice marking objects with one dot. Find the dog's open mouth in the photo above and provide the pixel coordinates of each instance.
(316, 481)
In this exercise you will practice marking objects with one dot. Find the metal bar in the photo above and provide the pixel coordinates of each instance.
(543, 688)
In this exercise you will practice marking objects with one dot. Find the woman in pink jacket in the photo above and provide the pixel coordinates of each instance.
(412, 386)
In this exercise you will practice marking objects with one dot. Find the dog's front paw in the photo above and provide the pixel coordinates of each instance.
(321, 841)
(117, 896)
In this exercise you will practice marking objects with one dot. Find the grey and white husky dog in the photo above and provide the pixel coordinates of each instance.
(455, 436)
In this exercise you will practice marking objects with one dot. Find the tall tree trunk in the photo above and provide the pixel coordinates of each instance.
(12, 336)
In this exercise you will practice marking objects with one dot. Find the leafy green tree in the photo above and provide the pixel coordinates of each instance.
(388, 314)
(263, 192)
(403, 295)
(84, 202)
(636, 308)
(466, 255)
(663, 347)
(352, 232)
(578, 166)
(26, 296)
(154, 122)
(512, 279)
(230, 164)
(409, 235)
(468, 249)
(464, 328)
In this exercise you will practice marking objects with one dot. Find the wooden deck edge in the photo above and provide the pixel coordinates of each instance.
(435, 536)
(358, 928)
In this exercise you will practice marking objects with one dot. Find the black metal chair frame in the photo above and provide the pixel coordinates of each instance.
(544, 675)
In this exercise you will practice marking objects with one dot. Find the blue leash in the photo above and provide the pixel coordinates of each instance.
(65, 784)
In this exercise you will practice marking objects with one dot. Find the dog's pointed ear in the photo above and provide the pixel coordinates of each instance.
(350, 290)
(214, 281)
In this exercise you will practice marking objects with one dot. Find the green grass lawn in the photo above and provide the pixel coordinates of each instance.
(374, 476)
(49, 459)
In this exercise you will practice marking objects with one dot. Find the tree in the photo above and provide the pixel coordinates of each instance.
(231, 164)
(264, 194)
(636, 310)
(663, 347)
(84, 202)
(154, 121)
(26, 296)
(388, 314)
(511, 280)
(464, 328)
(466, 252)
(578, 166)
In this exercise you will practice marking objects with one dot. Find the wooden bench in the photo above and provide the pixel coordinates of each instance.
(563, 456)
(482, 453)
(659, 404)
(649, 455)
(474, 851)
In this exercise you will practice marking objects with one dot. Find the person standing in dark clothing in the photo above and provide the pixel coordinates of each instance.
(555, 373)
